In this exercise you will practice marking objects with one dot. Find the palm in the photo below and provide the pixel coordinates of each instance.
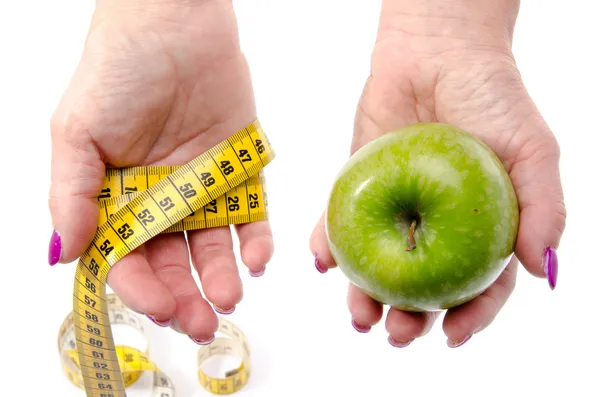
(160, 93)
(472, 90)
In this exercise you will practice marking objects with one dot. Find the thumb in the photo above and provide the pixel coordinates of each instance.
(77, 173)
(536, 178)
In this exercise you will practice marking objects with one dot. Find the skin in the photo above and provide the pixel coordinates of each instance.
(145, 81)
(431, 231)
(166, 80)
(451, 62)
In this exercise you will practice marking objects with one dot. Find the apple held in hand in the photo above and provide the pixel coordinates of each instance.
(424, 218)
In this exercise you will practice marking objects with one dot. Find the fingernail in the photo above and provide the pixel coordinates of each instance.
(54, 249)
(550, 265)
(363, 329)
(320, 268)
(257, 274)
(454, 344)
(223, 311)
(202, 342)
(396, 343)
(159, 323)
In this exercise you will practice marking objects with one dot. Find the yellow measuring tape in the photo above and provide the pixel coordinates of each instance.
(134, 362)
(223, 186)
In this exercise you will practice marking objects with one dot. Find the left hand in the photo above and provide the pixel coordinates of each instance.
(159, 82)
(429, 68)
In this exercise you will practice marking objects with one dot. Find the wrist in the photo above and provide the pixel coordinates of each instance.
(174, 26)
(165, 10)
(440, 25)
(125, 4)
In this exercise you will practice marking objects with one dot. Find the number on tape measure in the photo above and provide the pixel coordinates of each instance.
(132, 363)
(223, 186)
(246, 202)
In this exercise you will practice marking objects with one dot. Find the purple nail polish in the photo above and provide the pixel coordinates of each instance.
(396, 343)
(258, 274)
(363, 329)
(320, 268)
(54, 249)
(202, 342)
(223, 311)
(454, 344)
(550, 265)
(159, 323)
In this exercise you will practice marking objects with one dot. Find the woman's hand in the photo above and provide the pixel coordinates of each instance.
(159, 82)
(451, 62)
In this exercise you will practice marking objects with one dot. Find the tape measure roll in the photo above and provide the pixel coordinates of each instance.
(222, 186)
(134, 363)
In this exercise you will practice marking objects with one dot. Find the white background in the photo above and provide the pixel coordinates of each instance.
(309, 60)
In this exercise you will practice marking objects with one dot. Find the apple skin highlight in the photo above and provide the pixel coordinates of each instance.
(455, 193)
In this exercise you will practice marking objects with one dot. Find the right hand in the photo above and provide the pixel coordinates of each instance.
(158, 82)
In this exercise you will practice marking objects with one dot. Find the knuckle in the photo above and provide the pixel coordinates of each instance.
(171, 272)
(76, 166)
(549, 149)
(214, 246)
(212, 241)
(57, 123)
(68, 126)
(560, 219)
(541, 146)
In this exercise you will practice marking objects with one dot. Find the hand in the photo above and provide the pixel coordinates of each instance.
(158, 83)
(435, 65)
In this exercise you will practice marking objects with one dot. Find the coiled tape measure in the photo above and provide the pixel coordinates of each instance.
(221, 187)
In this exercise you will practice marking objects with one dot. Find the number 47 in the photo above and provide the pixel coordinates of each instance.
(244, 155)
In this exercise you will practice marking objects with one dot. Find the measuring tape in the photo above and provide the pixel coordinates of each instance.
(223, 186)
(134, 363)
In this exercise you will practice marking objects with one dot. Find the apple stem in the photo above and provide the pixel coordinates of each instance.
(412, 244)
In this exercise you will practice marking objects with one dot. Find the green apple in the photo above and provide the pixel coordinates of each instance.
(423, 219)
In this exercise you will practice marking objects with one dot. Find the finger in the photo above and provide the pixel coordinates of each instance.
(543, 213)
(135, 283)
(405, 327)
(256, 245)
(77, 172)
(320, 248)
(169, 259)
(365, 311)
(460, 323)
(213, 258)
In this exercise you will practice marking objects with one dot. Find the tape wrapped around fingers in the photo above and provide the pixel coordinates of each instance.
(223, 186)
